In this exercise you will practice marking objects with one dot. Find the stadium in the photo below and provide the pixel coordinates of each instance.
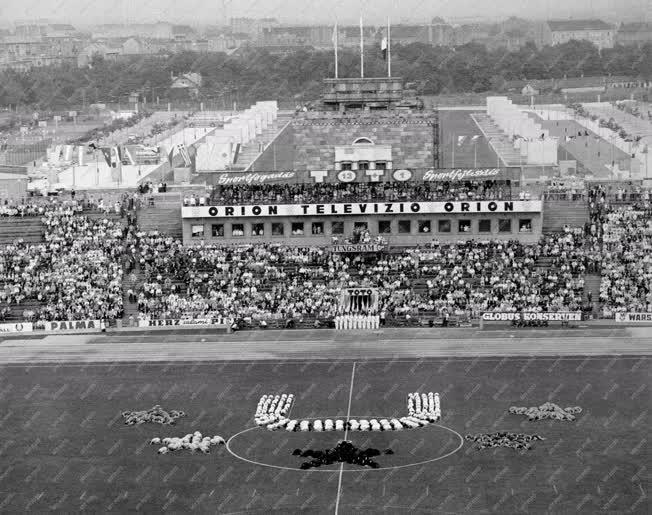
(453, 302)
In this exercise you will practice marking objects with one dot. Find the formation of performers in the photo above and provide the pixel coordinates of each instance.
(343, 452)
(344, 322)
(516, 441)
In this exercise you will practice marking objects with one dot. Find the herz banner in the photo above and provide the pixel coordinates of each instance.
(197, 322)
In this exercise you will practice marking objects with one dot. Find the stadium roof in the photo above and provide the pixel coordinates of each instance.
(567, 25)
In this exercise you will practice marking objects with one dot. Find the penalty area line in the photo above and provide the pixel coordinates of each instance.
(346, 433)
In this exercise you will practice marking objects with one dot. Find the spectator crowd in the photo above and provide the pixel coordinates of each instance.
(355, 192)
(77, 272)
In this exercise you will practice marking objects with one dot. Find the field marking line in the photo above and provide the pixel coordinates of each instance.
(346, 433)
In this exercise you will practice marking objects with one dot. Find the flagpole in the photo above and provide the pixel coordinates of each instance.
(389, 50)
(336, 43)
(453, 152)
(361, 50)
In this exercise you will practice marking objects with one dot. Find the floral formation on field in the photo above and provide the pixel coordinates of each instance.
(343, 452)
(272, 411)
(516, 441)
(548, 410)
(193, 442)
(156, 415)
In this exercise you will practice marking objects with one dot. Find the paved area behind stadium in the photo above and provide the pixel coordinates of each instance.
(65, 449)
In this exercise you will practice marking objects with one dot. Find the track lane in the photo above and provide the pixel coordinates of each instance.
(82, 350)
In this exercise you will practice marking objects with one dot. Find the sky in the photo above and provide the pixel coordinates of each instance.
(215, 12)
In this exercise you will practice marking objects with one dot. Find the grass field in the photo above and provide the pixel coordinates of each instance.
(65, 448)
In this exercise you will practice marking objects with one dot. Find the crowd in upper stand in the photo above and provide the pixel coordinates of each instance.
(118, 203)
(354, 192)
(78, 272)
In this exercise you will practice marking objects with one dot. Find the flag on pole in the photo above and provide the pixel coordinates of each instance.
(383, 48)
(116, 165)
(106, 152)
(184, 154)
(460, 140)
(475, 138)
(129, 157)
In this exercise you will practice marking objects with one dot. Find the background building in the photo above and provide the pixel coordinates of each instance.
(637, 33)
(598, 32)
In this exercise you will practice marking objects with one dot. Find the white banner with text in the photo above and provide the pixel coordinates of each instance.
(19, 327)
(561, 316)
(72, 325)
(368, 208)
(197, 322)
(633, 317)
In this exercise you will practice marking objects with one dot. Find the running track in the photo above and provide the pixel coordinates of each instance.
(325, 345)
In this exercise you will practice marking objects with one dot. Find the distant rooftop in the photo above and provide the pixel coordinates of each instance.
(636, 27)
(568, 25)
(61, 26)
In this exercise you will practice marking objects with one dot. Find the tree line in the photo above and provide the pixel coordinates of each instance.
(255, 73)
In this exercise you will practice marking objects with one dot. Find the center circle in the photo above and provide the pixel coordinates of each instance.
(273, 449)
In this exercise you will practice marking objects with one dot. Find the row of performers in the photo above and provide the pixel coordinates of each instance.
(357, 322)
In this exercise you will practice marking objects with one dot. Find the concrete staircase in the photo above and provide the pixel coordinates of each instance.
(164, 216)
(29, 229)
(498, 140)
(557, 213)
(166, 220)
(16, 310)
(128, 283)
(252, 150)
(592, 284)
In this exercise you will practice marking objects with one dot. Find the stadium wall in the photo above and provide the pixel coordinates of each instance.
(410, 135)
